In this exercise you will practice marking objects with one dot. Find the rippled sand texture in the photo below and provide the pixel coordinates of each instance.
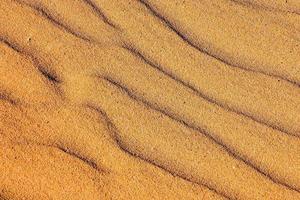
(149, 99)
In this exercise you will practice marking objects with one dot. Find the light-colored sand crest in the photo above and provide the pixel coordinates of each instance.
(137, 100)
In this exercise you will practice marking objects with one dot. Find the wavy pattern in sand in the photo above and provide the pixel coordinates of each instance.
(147, 99)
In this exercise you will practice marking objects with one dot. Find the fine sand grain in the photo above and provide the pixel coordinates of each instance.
(149, 99)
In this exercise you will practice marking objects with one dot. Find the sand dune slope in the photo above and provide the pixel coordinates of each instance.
(148, 99)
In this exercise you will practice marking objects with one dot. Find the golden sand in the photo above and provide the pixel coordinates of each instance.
(149, 99)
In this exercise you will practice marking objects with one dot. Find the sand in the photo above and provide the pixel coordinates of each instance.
(149, 99)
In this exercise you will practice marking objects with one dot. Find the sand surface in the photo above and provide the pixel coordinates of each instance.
(149, 99)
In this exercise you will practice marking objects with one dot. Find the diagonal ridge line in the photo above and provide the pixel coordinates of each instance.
(100, 13)
(203, 50)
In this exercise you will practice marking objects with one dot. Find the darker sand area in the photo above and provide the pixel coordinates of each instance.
(149, 99)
